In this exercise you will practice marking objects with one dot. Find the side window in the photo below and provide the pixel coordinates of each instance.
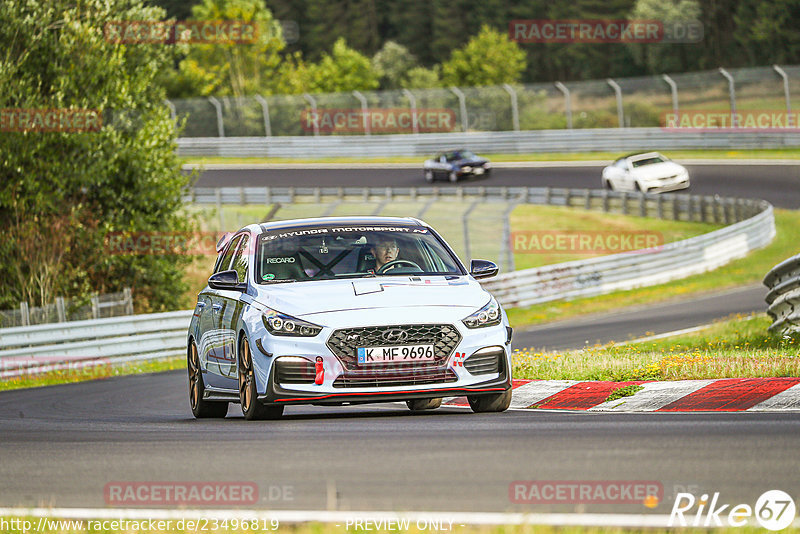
(225, 260)
(240, 259)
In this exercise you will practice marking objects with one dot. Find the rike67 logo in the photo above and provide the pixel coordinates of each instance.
(774, 510)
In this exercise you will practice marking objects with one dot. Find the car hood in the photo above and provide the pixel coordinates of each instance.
(658, 170)
(304, 299)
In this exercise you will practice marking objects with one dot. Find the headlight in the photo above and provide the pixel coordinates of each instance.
(487, 165)
(466, 168)
(489, 315)
(280, 324)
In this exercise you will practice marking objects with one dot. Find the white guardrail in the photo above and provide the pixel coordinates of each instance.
(524, 142)
(783, 298)
(73, 345)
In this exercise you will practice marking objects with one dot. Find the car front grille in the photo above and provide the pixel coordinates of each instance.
(395, 378)
(484, 362)
(345, 342)
(294, 371)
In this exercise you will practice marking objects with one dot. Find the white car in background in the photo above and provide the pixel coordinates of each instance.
(648, 172)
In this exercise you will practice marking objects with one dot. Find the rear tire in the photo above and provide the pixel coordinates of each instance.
(490, 403)
(453, 177)
(252, 409)
(420, 405)
(429, 176)
(201, 408)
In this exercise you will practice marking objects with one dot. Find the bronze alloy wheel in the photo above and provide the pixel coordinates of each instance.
(251, 407)
(201, 408)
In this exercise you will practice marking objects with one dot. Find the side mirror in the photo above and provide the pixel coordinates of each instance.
(482, 269)
(225, 280)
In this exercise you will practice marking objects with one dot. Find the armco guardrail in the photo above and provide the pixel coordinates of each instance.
(597, 276)
(78, 344)
(524, 142)
(783, 298)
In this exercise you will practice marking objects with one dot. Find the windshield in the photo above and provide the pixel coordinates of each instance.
(648, 161)
(463, 154)
(332, 252)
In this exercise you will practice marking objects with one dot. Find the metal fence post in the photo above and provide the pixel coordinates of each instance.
(61, 310)
(172, 112)
(462, 104)
(364, 111)
(128, 300)
(673, 88)
(732, 93)
(782, 74)
(514, 107)
(265, 111)
(218, 107)
(412, 101)
(25, 314)
(505, 247)
(218, 198)
(618, 91)
(95, 307)
(465, 222)
(310, 100)
(567, 102)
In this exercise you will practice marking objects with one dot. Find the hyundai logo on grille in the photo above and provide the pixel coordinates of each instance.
(395, 335)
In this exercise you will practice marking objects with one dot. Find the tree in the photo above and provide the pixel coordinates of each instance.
(392, 63)
(62, 192)
(238, 69)
(665, 57)
(490, 58)
(344, 69)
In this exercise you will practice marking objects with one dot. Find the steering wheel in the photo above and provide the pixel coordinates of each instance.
(395, 263)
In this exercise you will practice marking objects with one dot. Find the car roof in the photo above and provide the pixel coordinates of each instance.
(322, 221)
(642, 155)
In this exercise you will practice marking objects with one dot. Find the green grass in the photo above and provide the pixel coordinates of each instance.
(539, 156)
(735, 348)
(626, 391)
(98, 372)
(550, 218)
(748, 270)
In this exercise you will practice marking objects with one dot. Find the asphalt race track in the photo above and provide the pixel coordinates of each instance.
(61, 445)
(779, 184)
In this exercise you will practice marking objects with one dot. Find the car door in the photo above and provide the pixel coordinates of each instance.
(231, 306)
(213, 337)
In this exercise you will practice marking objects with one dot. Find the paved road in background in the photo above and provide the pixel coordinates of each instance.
(779, 184)
(630, 323)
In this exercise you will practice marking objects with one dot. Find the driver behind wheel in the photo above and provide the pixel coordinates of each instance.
(384, 250)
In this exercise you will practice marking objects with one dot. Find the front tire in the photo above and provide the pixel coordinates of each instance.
(252, 409)
(201, 408)
(607, 185)
(420, 405)
(490, 403)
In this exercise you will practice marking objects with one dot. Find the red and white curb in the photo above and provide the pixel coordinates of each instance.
(720, 395)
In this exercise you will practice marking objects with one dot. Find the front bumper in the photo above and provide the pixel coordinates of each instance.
(331, 392)
(664, 187)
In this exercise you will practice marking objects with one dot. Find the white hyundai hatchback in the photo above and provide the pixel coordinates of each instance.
(335, 311)
(649, 172)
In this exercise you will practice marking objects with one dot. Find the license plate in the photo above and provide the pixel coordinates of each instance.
(395, 353)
